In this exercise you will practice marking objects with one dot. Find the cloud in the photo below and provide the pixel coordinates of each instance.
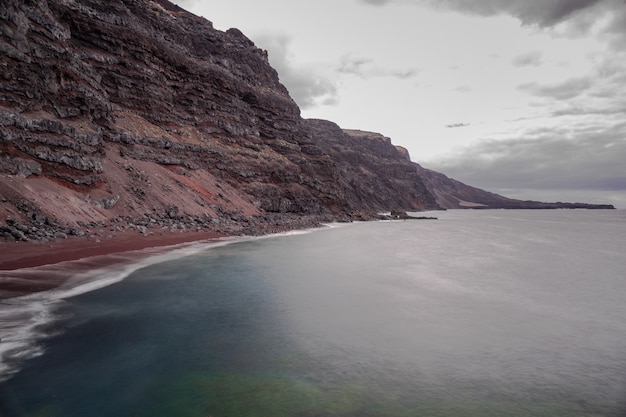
(616, 29)
(545, 159)
(529, 59)
(616, 109)
(529, 12)
(307, 85)
(562, 91)
(544, 13)
(376, 2)
(367, 68)
(456, 125)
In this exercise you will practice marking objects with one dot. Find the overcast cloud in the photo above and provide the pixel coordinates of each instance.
(562, 91)
(539, 12)
(529, 59)
(367, 67)
(545, 159)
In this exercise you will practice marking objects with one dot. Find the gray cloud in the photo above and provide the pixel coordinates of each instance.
(562, 91)
(617, 28)
(530, 12)
(612, 109)
(558, 159)
(456, 125)
(377, 2)
(349, 65)
(539, 12)
(530, 59)
(367, 68)
(307, 87)
(579, 15)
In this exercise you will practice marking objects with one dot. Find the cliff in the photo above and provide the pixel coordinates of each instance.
(136, 115)
(373, 173)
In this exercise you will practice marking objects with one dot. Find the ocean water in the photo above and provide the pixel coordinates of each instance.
(480, 313)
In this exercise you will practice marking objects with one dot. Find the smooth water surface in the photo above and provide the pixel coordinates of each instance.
(480, 313)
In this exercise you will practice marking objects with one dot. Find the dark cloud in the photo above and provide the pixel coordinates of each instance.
(530, 12)
(563, 91)
(585, 159)
(539, 12)
(617, 29)
(367, 68)
(530, 59)
(306, 86)
(456, 125)
(616, 109)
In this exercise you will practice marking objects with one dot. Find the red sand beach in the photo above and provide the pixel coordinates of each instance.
(16, 256)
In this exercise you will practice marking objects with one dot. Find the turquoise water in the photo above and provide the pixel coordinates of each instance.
(481, 313)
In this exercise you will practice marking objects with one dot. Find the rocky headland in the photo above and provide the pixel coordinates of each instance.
(135, 116)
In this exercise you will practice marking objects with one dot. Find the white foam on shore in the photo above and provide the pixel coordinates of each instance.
(20, 324)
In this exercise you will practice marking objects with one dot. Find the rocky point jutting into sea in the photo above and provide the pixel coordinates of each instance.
(135, 115)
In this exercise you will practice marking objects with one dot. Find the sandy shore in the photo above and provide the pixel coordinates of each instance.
(17, 258)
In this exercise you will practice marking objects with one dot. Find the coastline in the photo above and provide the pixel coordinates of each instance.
(23, 265)
(35, 278)
(19, 255)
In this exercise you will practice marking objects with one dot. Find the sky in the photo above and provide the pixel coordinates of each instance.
(524, 98)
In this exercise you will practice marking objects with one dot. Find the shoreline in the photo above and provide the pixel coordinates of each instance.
(36, 266)
(21, 255)
(109, 238)
(24, 267)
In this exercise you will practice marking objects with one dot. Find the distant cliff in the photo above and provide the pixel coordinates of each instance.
(137, 115)
(372, 172)
(453, 194)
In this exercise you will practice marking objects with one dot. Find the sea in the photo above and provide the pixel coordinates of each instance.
(478, 313)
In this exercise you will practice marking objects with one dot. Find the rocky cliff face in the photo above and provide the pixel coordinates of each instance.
(137, 114)
(373, 173)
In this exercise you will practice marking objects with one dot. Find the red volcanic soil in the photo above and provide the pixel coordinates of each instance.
(17, 255)
(18, 260)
